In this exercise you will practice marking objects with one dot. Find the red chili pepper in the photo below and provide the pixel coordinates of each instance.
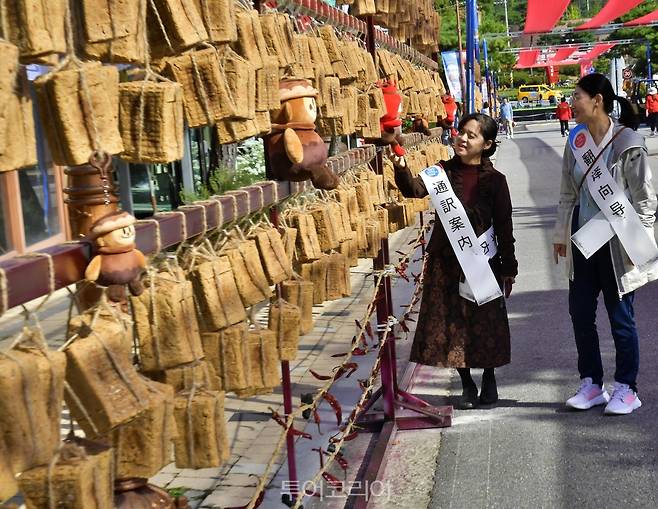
(369, 331)
(292, 430)
(342, 462)
(348, 366)
(333, 402)
(351, 436)
(316, 418)
(404, 327)
(402, 274)
(302, 434)
(278, 418)
(360, 339)
(333, 481)
(351, 367)
(319, 451)
(318, 376)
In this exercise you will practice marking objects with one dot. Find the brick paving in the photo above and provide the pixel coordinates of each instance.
(252, 434)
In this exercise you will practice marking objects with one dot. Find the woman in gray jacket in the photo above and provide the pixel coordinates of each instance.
(609, 269)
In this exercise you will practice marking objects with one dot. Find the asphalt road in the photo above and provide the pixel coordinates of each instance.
(529, 451)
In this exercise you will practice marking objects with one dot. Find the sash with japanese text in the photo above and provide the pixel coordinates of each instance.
(617, 216)
(472, 252)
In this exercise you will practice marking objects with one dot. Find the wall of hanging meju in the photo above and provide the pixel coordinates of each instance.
(146, 363)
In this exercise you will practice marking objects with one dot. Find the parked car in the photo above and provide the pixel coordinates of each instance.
(529, 93)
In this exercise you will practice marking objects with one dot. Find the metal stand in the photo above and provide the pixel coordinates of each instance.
(287, 405)
(401, 410)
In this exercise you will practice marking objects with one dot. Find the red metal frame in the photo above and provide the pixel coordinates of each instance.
(28, 277)
(401, 410)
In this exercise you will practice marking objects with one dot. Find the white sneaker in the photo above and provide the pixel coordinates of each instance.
(588, 395)
(623, 401)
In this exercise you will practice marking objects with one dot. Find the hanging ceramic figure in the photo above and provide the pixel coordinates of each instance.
(118, 262)
(295, 151)
(390, 123)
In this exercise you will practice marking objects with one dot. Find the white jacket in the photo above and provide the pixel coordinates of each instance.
(629, 167)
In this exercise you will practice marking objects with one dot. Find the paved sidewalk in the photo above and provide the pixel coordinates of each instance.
(253, 435)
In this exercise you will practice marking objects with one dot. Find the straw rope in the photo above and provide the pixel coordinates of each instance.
(162, 27)
(67, 453)
(190, 423)
(263, 480)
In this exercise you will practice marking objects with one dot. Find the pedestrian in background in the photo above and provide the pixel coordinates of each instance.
(652, 109)
(485, 109)
(507, 116)
(563, 113)
(452, 331)
(449, 120)
(622, 152)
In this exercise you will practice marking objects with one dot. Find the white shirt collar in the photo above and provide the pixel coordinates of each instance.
(608, 135)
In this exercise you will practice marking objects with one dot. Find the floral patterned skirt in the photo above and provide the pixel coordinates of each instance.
(452, 331)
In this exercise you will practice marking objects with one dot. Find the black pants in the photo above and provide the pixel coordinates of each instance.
(591, 277)
(652, 121)
(564, 126)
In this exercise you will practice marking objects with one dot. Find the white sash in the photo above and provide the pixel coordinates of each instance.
(472, 252)
(487, 241)
(617, 216)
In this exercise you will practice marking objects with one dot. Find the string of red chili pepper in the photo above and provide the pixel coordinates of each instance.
(347, 365)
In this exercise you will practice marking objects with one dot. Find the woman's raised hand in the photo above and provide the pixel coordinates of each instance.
(398, 161)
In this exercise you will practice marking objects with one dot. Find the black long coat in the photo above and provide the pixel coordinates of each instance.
(452, 331)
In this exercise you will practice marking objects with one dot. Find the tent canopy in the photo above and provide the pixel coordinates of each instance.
(561, 56)
(543, 15)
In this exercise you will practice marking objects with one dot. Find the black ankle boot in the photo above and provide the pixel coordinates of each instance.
(489, 392)
(469, 397)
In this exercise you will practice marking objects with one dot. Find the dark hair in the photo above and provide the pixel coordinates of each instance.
(488, 128)
(564, 99)
(596, 83)
(485, 104)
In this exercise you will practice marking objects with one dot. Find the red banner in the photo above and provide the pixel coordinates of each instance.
(542, 15)
(588, 57)
(597, 51)
(562, 54)
(527, 58)
(644, 20)
(612, 10)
